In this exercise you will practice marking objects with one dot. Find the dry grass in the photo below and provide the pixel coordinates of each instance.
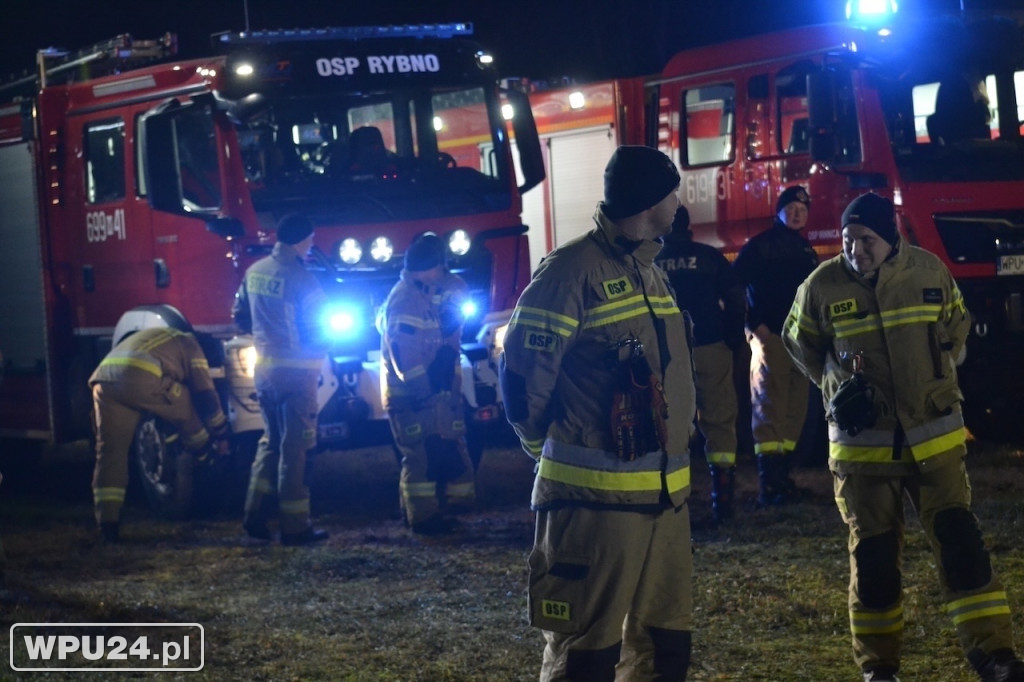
(375, 604)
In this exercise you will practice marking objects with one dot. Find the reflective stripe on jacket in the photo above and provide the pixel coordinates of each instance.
(908, 328)
(559, 372)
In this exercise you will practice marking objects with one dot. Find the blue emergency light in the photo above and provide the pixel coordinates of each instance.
(872, 12)
(341, 323)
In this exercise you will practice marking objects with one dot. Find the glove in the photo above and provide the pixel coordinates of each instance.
(852, 407)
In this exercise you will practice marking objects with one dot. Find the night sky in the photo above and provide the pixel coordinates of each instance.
(538, 39)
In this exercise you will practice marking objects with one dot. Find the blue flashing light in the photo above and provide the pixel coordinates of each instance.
(871, 11)
(341, 323)
(470, 309)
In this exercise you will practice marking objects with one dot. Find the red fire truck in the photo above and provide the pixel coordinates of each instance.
(136, 188)
(841, 109)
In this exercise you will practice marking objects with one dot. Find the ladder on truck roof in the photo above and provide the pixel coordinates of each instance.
(54, 66)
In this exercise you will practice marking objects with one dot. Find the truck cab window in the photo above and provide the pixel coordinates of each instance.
(104, 161)
(709, 124)
(198, 159)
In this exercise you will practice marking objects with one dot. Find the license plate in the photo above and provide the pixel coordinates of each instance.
(1010, 265)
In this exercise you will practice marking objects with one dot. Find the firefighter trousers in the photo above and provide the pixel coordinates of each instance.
(612, 592)
(872, 507)
(288, 402)
(437, 473)
(117, 409)
(778, 397)
(716, 402)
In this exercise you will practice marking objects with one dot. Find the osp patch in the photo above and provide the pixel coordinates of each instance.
(613, 288)
(843, 307)
(542, 341)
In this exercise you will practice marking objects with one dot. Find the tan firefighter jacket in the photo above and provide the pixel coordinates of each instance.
(559, 371)
(282, 302)
(909, 329)
(164, 352)
(416, 321)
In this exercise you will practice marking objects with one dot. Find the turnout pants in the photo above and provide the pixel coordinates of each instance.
(612, 592)
(872, 507)
(716, 402)
(117, 409)
(437, 474)
(288, 403)
(778, 397)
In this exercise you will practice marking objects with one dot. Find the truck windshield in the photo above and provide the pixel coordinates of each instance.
(378, 157)
(955, 116)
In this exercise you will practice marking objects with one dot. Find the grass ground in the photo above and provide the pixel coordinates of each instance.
(373, 603)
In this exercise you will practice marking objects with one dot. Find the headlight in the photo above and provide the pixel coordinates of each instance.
(340, 322)
(459, 242)
(247, 359)
(349, 251)
(381, 249)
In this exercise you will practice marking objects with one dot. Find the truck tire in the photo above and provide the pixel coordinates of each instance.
(163, 468)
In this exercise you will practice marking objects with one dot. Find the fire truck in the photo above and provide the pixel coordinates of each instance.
(925, 112)
(137, 187)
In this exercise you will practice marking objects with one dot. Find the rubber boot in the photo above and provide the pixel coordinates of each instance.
(723, 480)
(769, 494)
(786, 485)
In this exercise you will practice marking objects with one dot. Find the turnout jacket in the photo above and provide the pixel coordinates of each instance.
(771, 266)
(280, 303)
(909, 327)
(559, 370)
(163, 353)
(416, 322)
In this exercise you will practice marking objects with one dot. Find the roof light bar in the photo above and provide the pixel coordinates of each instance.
(346, 33)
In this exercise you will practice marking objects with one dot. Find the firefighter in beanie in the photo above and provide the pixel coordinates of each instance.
(421, 327)
(160, 371)
(705, 287)
(597, 382)
(281, 302)
(880, 328)
(771, 266)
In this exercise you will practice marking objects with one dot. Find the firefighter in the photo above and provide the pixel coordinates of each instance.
(597, 382)
(771, 266)
(706, 287)
(421, 327)
(879, 328)
(161, 371)
(280, 302)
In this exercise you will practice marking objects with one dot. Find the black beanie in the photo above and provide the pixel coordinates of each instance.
(791, 194)
(635, 179)
(293, 228)
(875, 213)
(425, 253)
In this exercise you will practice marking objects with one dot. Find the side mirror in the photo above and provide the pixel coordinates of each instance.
(823, 141)
(531, 159)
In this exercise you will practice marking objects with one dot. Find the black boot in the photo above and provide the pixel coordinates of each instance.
(110, 532)
(768, 480)
(1002, 665)
(723, 480)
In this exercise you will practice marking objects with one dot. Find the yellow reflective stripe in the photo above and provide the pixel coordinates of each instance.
(633, 481)
(295, 363)
(939, 445)
(616, 311)
(769, 447)
(978, 606)
(199, 363)
(853, 327)
(956, 304)
(461, 489)
(726, 458)
(165, 335)
(417, 371)
(145, 365)
(547, 320)
(413, 321)
(798, 321)
(535, 447)
(874, 623)
(426, 489)
(216, 420)
(911, 315)
(108, 494)
(263, 485)
(171, 438)
(860, 453)
(295, 507)
(677, 480)
(789, 445)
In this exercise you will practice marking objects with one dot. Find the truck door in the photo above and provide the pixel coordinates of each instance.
(116, 250)
(757, 181)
